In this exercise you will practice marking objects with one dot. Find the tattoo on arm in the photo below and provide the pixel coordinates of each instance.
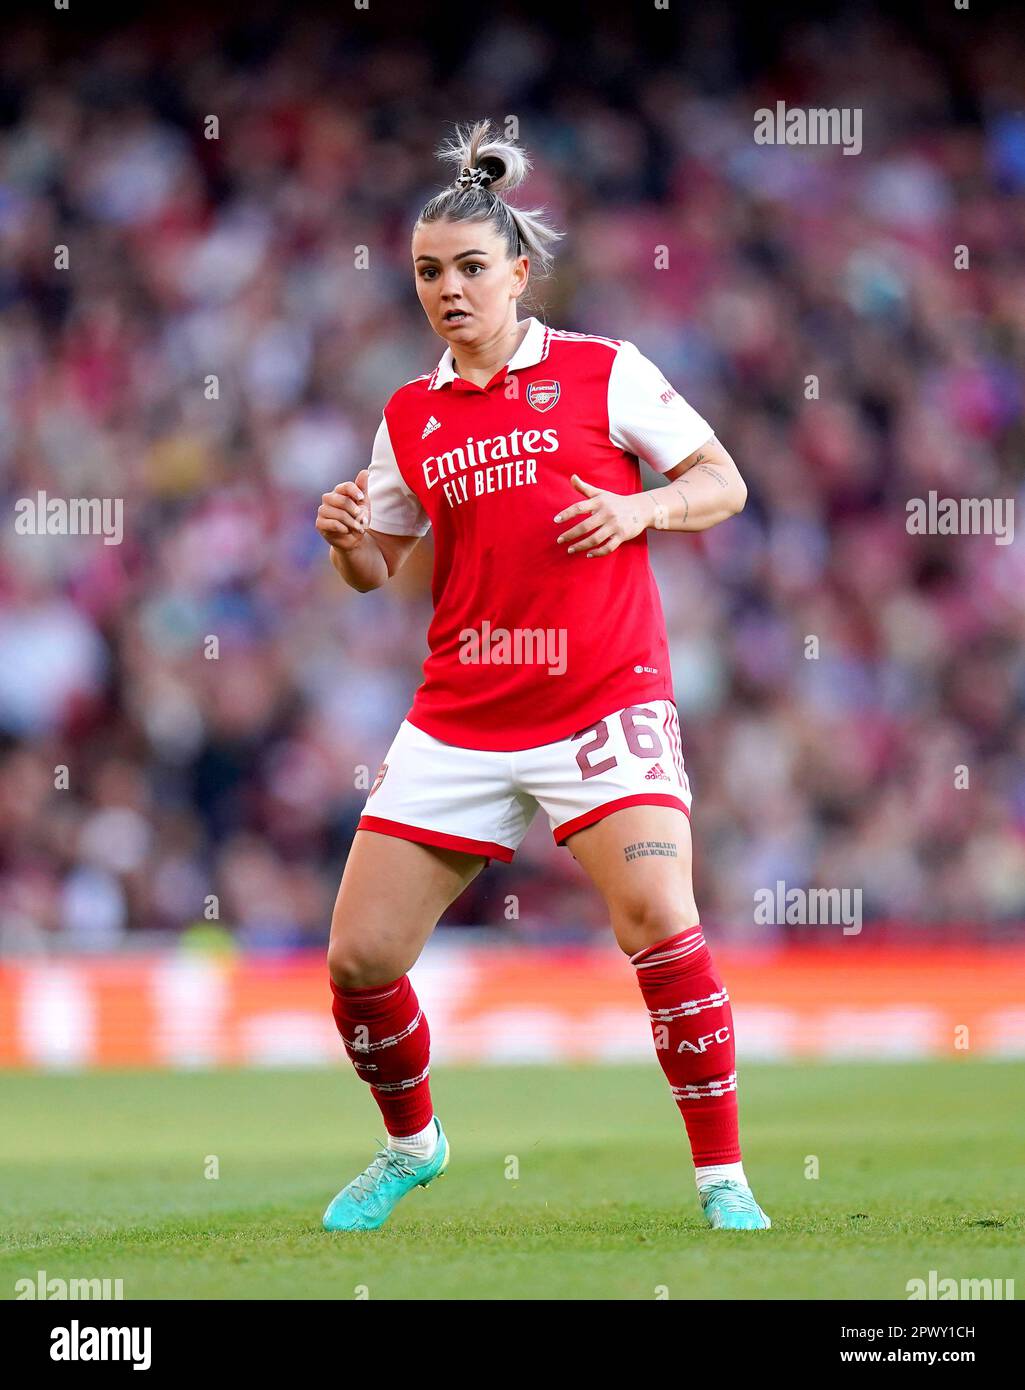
(698, 466)
(707, 468)
(671, 487)
(700, 457)
(643, 849)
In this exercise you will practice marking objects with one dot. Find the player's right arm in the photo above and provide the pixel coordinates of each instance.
(366, 554)
(365, 558)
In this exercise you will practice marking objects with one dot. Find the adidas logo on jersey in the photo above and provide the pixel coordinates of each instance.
(655, 774)
(430, 427)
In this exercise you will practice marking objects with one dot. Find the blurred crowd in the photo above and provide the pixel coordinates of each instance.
(217, 355)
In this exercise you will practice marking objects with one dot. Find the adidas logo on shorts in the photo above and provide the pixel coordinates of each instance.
(655, 774)
(430, 427)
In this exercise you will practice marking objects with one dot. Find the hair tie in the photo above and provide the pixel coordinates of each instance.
(474, 178)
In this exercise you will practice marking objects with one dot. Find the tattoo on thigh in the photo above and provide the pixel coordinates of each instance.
(644, 848)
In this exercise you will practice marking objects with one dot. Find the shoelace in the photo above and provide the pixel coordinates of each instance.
(737, 1198)
(387, 1164)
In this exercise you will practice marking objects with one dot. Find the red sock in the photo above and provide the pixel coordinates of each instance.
(692, 1024)
(386, 1036)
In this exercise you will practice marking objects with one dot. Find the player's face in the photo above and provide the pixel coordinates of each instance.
(466, 282)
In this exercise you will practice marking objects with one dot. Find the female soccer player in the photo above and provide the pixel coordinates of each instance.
(547, 682)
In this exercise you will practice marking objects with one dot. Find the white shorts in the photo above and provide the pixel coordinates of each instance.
(483, 802)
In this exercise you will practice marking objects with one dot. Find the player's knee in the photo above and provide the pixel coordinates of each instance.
(645, 921)
(353, 968)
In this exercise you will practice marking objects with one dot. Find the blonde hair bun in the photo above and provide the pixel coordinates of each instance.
(483, 160)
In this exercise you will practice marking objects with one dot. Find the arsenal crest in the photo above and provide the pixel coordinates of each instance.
(542, 395)
(378, 779)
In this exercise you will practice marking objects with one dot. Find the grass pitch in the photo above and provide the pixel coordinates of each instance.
(565, 1182)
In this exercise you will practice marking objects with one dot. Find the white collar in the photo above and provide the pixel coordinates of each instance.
(533, 349)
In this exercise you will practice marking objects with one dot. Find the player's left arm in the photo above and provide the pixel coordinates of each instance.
(649, 419)
(702, 490)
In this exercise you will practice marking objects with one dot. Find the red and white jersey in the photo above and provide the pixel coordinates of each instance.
(528, 643)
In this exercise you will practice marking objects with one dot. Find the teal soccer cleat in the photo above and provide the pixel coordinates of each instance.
(731, 1206)
(368, 1201)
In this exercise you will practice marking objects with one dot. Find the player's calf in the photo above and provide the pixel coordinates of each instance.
(692, 1028)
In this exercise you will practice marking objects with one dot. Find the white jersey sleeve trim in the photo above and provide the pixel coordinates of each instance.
(646, 415)
(394, 509)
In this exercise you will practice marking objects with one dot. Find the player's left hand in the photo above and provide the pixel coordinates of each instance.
(610, 517)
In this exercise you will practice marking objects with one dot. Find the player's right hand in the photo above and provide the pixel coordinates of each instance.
(344, 514)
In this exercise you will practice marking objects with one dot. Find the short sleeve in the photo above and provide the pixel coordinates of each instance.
(646, 415)
(395, 509)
